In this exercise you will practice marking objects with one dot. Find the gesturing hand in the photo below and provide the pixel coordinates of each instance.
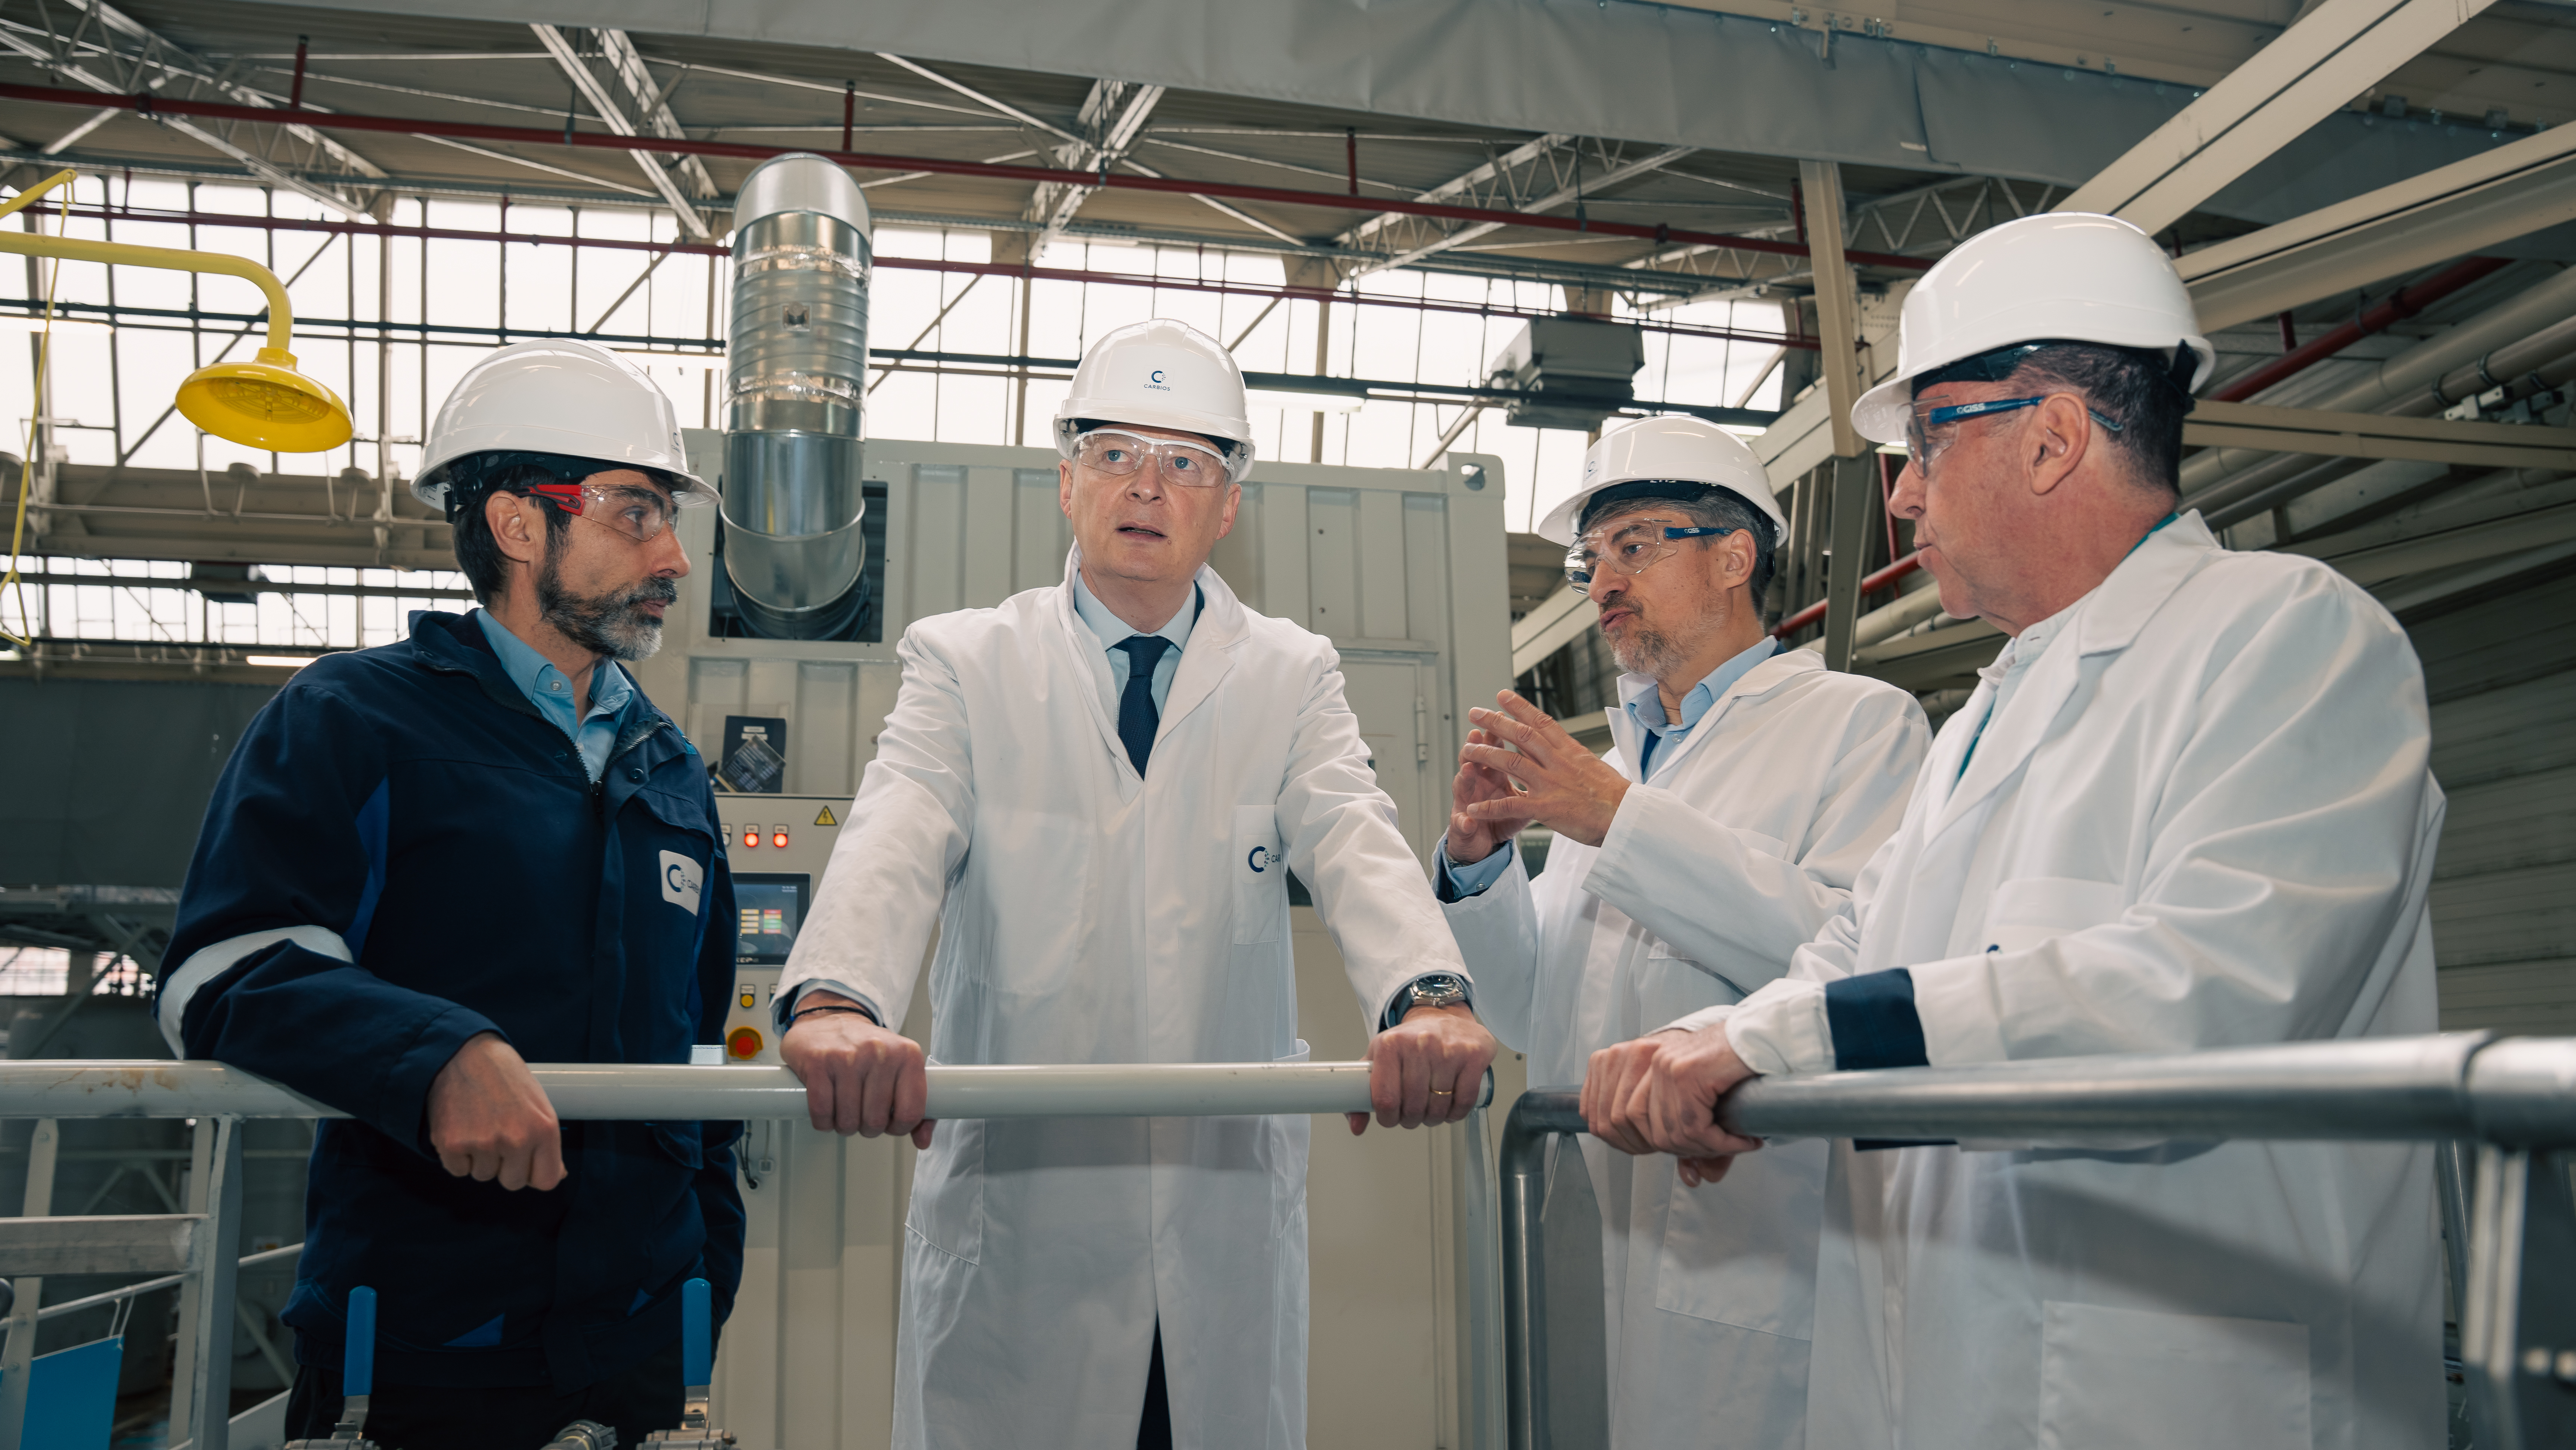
(1473, 837)
(1571, 791)
(489, 1120)
(1661, 1092)
(1427, 1069)
(859, 1078)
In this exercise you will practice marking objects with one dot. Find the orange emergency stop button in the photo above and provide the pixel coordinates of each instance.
(743, 1043)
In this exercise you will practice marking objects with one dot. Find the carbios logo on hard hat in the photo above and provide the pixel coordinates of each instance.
(1154, 380)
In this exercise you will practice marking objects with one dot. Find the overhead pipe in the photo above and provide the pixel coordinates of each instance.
(2541, 360)
(2404, 303)
(795, 374)
(150, 105)
(384, 230)
(2401, 385)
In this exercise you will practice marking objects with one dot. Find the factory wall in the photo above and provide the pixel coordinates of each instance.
(108, 779)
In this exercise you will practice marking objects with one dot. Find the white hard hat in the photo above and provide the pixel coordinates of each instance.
(1658, 450)
(562, 397)
(2056, 277)
(1161, 374)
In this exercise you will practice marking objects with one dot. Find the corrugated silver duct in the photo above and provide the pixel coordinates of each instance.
(796, 365)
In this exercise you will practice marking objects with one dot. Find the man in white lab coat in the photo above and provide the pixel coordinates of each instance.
(1747, 788)
(2187, 807)
(1095, 792)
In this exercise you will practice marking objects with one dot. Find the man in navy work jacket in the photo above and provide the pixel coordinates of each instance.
(431, 863)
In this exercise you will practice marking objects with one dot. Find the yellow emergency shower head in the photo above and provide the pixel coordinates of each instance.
(261, 404)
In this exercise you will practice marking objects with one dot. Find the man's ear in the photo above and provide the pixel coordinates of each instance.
(518, 526)
(2061, 433)
(1064, 486)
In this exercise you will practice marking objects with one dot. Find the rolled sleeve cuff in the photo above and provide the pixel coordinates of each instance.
(1782, 1028)
(1457, 882)
(783, 1009)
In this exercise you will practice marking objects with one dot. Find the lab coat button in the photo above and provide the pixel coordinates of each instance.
(635, 774)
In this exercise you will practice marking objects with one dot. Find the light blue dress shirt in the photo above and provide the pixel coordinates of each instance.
(1638, 696)
(547, 688)
(1108, 630)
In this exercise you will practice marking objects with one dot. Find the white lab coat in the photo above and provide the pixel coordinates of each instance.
(2204, 820)
(1743, 844)
(1089, 915)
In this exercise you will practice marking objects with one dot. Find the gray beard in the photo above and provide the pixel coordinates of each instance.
(1644, 648)
(607, 624)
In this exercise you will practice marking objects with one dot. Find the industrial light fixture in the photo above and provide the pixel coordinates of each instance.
(289, 662)
(264, 403)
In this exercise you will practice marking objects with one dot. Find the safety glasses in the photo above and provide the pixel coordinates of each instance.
(1119, 454)
(1629, 548)
(1933, 428)
(640, 513)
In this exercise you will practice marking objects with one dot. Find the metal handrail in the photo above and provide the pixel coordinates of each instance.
(2516, 1095)
(653, 1092)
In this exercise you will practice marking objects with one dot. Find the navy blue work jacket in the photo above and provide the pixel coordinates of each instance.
(403, 853)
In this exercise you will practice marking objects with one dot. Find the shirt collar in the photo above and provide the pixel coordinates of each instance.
(543, 684)
(1109, 630)
(1637, 692)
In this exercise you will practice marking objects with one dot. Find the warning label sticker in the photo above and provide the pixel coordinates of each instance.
(827, 818)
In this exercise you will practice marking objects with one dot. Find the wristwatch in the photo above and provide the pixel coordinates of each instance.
(1431, 989)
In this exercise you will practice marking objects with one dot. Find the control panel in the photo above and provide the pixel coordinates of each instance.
(777, 847)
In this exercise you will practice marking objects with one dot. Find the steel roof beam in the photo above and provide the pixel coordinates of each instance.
(1550, 202)
(614, 117)
(2314, 69)
(1053, 204)
(101, 25)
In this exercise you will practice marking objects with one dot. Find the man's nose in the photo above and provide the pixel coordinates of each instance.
(1605, 586)
(670, 557)
(1906, 500)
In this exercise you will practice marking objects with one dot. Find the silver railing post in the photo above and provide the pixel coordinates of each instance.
(1480, 1262)
(201, 1380)
(18, 1362)
(2518, 1328)
(1538, 1117)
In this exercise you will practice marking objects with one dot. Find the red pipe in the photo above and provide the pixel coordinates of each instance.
(914, 264)
(1868, 586)
(295, 96)
(849, 110)
(2405, 303)
(538, 136)
(1351, 155)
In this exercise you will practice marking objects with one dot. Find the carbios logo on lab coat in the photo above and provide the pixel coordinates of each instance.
(681, 880)
(1261, 858)
(1154, 380)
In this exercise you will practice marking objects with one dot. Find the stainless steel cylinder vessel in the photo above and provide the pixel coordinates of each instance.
(796, 365)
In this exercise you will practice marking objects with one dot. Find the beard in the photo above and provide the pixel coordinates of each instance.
(1647, 648)
(611, 624)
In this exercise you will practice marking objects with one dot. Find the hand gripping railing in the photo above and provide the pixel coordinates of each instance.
(2515, 1097)
(222, 1096)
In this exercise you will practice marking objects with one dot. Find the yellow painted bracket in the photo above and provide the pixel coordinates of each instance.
(261, 404)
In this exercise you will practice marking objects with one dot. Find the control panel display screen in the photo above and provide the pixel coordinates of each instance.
(767, 912)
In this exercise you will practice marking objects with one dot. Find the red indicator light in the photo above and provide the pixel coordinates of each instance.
(779, 840)
(751, 837)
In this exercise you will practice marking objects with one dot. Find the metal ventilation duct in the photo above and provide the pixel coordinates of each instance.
(795, 370)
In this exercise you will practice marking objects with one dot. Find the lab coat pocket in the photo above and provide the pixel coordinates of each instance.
(1259, 865)
(1742, 1251)
(948, 1191)
(2031, 910)
(1289, 1135)
(2128, 1379)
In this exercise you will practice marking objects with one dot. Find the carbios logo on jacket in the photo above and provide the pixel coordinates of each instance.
(681, 880)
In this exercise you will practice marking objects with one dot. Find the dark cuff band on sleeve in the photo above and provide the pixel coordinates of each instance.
(1874, 1025)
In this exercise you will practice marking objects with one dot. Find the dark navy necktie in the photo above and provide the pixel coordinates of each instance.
(1137, 717)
